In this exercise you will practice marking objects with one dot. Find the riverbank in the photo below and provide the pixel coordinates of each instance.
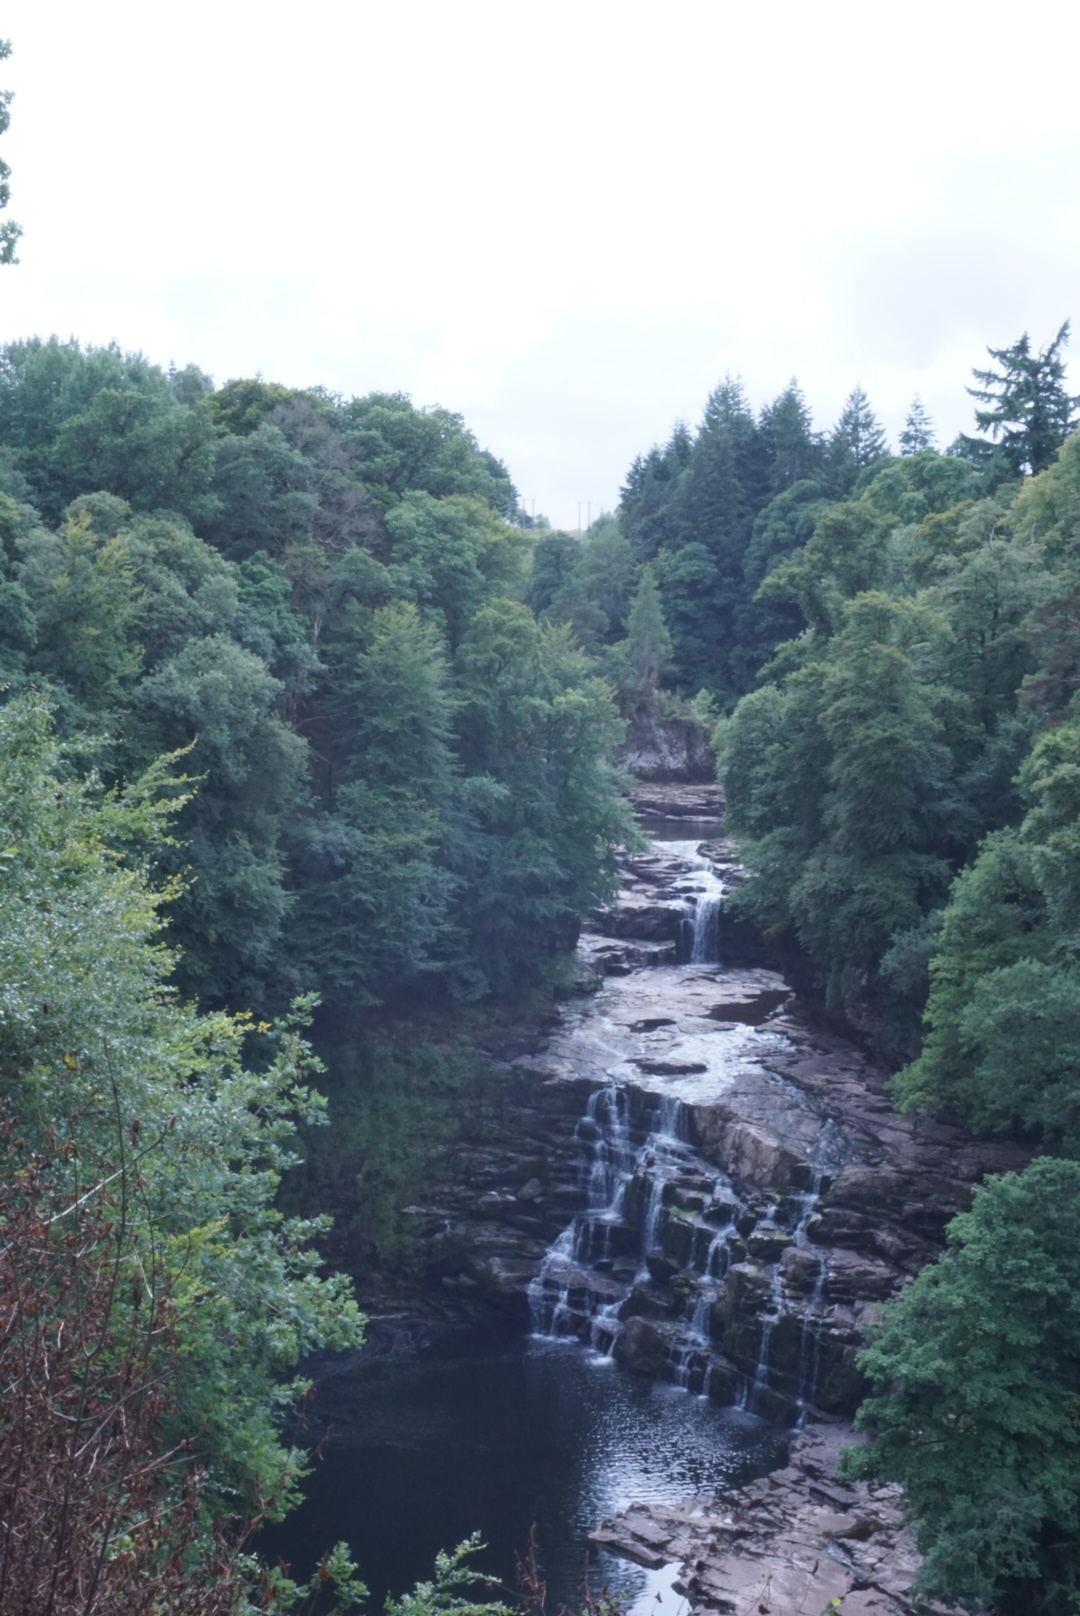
(796, 1540)
(683, 1171)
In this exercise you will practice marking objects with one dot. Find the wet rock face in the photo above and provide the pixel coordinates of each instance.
(688, 1173)
(748, 1193)
(669, 750)
(797, 1540)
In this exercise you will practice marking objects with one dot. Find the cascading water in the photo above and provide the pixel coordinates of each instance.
(660, 1231)
(653, 1205)
(666, 1267)
(703, 892)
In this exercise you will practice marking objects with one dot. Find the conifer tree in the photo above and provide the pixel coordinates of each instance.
(794, 448)
(857, 441)
(9, 230)
(918, 433)
(647, 637)
(1028, 413)
(860, 429)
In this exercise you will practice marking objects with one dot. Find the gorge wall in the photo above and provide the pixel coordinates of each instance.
(690, 1172)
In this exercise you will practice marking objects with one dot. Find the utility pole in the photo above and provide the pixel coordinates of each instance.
(588, 515)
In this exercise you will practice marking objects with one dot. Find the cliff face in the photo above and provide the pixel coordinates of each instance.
(666, 749)
(686, 1169)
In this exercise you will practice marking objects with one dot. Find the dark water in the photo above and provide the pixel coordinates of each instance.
(659, 829)
(493, 1434)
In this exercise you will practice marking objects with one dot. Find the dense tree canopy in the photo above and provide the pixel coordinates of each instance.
(282, 584)
(387, 706)
(979, 1365)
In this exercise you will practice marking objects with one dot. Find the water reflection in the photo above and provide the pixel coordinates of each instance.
(470, 1434)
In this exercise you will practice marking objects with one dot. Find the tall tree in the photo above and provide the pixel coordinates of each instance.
(918, 433)
(9, 230)
(648, 642)
(1028, 414)
(645, 512)
(977, 1378)
(792, 445)
(857, 441)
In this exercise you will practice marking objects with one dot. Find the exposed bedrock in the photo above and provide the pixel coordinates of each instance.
(748, 1193)
(690, 1174)
(666, 749)
(797, 1540)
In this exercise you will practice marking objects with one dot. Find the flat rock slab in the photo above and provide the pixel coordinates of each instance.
(798, 1540)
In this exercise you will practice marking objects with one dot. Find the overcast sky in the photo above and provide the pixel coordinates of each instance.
(565, 220)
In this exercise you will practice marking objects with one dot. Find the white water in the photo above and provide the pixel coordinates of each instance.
(657, 1211)
(703, 891)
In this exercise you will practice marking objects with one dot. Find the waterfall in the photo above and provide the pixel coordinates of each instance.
(635, 1166)
(656, 1211)
(761, 1373)
(705, 947)
(703, 893)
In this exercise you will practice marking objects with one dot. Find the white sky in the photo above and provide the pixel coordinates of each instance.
(566, 220)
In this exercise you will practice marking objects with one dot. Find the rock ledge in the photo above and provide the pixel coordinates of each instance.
(795, 1541)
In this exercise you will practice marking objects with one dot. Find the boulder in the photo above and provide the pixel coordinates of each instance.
(768, 1245)
(642, 1348)
(800, 1269)
(649, 1300)
(643, 917)
(854, 1276)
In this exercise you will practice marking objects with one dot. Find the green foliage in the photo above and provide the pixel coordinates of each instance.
(918, 433)
(9, 230)
(277, 583)
(375, 901)
(1029, 414)
(544, 816)
(646, 651)
(977, 1370)
(447, 1593)
(1003, 1018)
(891, 746)
(843, 780)
(241, 407)
(97, 1055)
(716, 513)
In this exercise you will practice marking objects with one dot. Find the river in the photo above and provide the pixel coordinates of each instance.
(490, 1431)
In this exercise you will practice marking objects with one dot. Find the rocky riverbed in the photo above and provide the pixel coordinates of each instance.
(798, 1540)
(769, 1195)
(693, 1175)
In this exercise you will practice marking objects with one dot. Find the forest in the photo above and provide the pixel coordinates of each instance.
(307, 726)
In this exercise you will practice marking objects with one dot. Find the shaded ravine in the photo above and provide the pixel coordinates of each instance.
(642, 1271)
(695, 1183)
(747, 1192)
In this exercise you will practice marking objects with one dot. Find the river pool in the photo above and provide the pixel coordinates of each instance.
(493, 1432)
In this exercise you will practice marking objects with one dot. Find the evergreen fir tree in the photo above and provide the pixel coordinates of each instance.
(918, 433)
(794, 448)
(648, 640)
(858, 439)
(1028, 413)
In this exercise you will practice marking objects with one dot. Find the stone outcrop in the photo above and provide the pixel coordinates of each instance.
(700, 801)
(784, 1200)
(798, 1540)
(667, 749)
